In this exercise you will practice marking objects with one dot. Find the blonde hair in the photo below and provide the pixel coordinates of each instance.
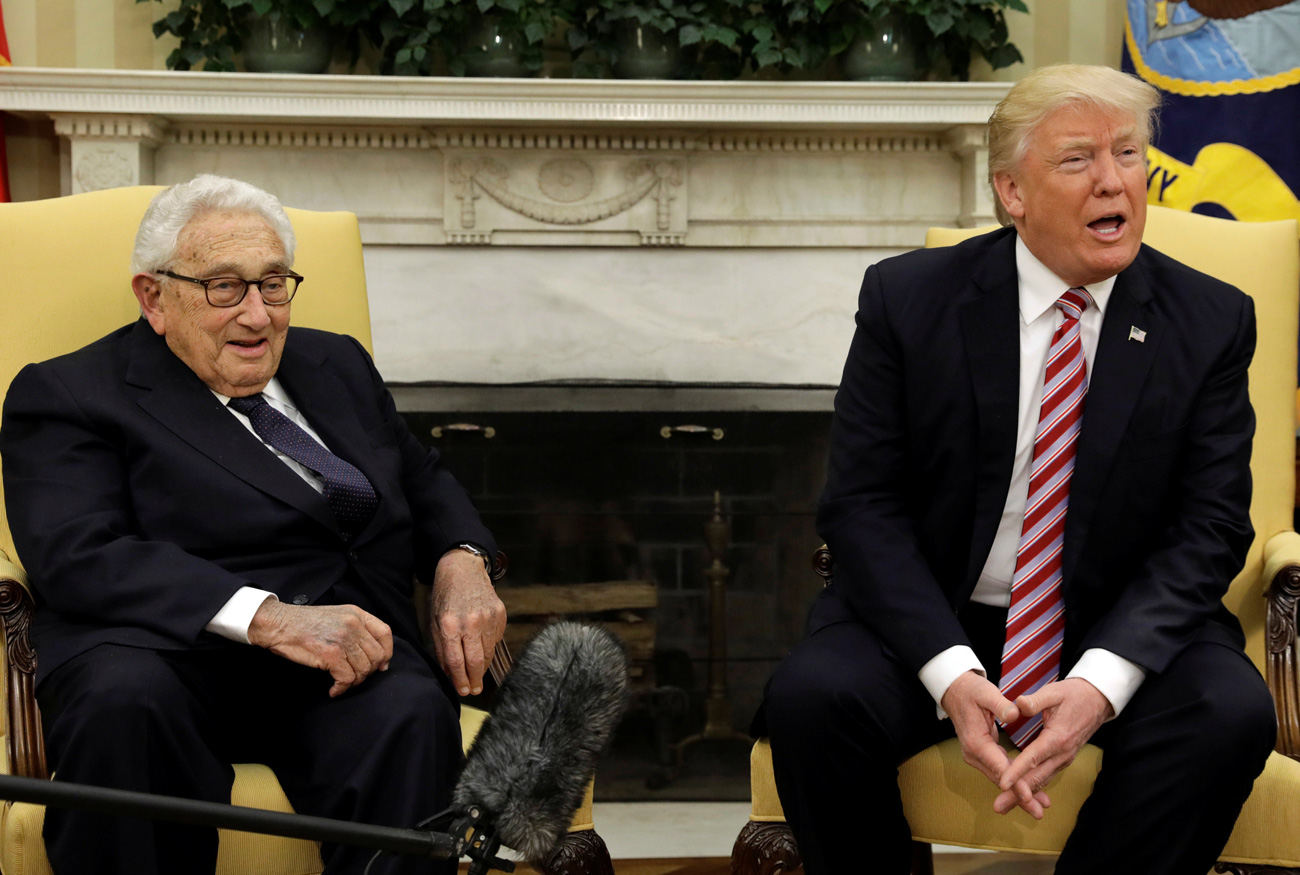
(174, 208)
(1048, 89)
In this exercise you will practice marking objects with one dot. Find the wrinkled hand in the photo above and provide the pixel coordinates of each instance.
(468, 619)
(343, 640)
(1072, 710)
(976, 707)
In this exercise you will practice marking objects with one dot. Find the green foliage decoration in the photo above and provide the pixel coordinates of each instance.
(954, 32)
(529, 20)
(405, 31)
(703, 27)
(727, 37)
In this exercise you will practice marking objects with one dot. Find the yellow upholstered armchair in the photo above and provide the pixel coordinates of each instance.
(948, 802)
(73, 253)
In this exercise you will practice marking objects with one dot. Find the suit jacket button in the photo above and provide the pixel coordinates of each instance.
(352, 556)
(300, 600)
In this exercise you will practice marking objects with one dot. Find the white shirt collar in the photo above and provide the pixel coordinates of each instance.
(273, 392)
(1040, 288)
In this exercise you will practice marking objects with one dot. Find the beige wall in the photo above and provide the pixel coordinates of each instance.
(86, 33)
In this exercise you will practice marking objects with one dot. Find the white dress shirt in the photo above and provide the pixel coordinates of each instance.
(1114, 676)
(235, 616)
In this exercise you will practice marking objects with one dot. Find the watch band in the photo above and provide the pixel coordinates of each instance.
(477, 551)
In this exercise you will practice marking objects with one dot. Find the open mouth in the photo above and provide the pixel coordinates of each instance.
(250, 345)
(1108, 226)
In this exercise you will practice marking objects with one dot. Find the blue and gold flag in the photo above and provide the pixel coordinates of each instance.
(1229, 73)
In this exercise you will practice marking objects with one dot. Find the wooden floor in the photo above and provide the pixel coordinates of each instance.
(944, 864)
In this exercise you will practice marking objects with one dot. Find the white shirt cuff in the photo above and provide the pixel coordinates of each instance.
(235, 616)
(944, 668)
(1115, 677)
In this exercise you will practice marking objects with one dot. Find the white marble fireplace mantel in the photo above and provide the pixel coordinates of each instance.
(521, 230)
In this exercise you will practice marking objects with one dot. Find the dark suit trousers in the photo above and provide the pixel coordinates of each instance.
(1179, 762)
(171, 722)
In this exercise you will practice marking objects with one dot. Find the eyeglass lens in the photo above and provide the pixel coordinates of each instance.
(226, 291)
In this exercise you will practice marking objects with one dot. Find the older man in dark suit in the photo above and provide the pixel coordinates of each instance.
(1038, 494)
(222, 518)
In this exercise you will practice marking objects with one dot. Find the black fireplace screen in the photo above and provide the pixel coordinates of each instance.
(604, 516)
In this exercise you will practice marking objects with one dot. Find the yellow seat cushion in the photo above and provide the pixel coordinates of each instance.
(948, 802)
(239, 853)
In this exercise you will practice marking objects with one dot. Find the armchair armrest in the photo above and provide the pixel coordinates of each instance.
(1282, 576)
(25, 744)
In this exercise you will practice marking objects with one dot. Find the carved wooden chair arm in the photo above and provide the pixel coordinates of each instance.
(1282, 576)
(25, 743)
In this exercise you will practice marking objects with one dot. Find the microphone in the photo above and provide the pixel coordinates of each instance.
(557, 709)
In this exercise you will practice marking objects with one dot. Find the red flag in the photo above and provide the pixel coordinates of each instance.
(4, 160)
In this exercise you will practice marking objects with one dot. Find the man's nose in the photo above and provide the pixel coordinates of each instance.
(1107, 179)
(253, 312)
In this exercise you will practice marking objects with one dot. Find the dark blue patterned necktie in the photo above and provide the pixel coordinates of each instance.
(347, 490)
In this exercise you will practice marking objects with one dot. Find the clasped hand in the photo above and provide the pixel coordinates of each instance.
(1072, 710)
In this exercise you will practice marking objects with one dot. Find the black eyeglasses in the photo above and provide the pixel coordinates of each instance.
(228, 291)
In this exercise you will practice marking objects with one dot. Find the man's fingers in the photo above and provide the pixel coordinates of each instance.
(344, 678)
(474, 664)
(987, 756)
(383, 637)
(453, 655)
(1032, 782)
(999, 705)
(1048, 696)
(1008, 800)
(1039, 751)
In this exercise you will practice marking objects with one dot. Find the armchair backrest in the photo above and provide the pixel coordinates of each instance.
(1263, 260)
(65, 277)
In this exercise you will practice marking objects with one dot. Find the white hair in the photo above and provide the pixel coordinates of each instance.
(175, 207)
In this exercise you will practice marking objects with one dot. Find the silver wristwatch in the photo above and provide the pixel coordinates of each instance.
(477, 551)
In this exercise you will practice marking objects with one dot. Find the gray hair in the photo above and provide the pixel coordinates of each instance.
(1048, 89)
(175, 207)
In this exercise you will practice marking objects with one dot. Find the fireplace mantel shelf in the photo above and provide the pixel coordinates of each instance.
(399, 100)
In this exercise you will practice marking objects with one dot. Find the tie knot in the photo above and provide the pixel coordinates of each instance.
(1074, 302)
(247, 405)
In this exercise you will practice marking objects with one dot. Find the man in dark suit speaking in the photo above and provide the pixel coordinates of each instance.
(1039, 491)
(222, 518)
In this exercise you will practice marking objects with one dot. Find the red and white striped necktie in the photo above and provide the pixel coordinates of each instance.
(1031, 656)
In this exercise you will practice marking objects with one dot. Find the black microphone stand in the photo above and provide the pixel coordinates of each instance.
(469, 832)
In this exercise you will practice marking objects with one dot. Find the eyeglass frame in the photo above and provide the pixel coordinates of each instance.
(298, 280)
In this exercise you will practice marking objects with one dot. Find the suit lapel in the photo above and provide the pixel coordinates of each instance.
(991, 334)
(179, 400)
(1120, 369)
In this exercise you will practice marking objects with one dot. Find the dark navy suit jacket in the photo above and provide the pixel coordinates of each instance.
(924, 437)
(139, 504)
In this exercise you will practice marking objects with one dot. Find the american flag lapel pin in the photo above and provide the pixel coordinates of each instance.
(1135, 333)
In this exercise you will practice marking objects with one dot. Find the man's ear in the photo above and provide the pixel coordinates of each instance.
(1009, 193)
(149, 293)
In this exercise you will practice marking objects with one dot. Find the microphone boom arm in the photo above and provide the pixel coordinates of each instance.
(469, 835)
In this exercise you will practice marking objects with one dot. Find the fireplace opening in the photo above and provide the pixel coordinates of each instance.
(637, 519)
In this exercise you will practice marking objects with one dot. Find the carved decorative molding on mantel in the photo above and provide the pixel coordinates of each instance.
(465, 162)
(376, 99)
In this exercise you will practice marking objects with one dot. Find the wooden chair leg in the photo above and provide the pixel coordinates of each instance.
(581, 853)
(922, 859)
(765, 849)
